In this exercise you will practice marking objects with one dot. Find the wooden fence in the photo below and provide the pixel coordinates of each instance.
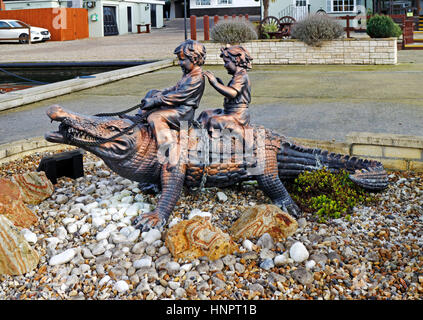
(63, 23)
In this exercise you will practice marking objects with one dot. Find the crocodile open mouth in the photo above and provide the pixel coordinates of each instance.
(71, 135)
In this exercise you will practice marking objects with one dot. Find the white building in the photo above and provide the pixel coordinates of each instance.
(222, 7)
(106, 17)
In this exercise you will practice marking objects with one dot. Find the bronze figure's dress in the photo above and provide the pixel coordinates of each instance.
(235, 114)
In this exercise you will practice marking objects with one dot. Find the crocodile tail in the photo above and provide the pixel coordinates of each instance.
(294, 159)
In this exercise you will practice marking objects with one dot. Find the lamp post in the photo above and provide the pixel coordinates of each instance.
(185, 19)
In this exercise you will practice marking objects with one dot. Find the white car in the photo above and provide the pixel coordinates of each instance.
(18, 31)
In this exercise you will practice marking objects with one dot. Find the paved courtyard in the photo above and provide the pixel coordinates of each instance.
(315, 102)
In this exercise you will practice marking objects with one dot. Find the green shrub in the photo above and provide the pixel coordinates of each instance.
(317, 28)
(269, 27)
(380, 26)
(233, 32)
(326, 194)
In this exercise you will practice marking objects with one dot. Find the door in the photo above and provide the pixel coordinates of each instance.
(300, 9)
(110, 23)
(129, 11)
(153, 15)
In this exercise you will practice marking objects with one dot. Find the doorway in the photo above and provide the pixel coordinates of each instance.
(300, 9)
(129, 13)
(110, 22)
(153, 15)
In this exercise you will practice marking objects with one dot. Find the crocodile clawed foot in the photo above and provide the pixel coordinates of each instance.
(147, 221)
(290, 207)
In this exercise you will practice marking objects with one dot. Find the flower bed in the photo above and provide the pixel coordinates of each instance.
(342, 51)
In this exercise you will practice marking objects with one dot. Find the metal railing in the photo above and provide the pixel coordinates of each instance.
(298, 13)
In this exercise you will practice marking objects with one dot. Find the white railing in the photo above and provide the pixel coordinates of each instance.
(298, 13)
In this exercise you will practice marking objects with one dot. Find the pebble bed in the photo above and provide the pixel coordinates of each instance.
(89, 250)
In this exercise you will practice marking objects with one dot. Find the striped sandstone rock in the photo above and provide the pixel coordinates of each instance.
(197, 237)
(35, 186)
(16, 255)
(17, 212)
(266, 218)
(8, 188)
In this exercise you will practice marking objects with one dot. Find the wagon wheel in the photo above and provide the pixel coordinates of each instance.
(269, 24)
(286, 24)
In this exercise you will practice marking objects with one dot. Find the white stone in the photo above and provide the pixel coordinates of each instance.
(132, 211)
(121, 286)
(103, 281)
(61, 199)
(126, 231)
(85, 228)
(127, 199)
(139, 197)
(298, 252)
(151, 236)
(53, 242)
(61, 233)
(247, 244)
(102, 235)
(310, 264)
(67, 221)
(29, 236)
(281, 259)
(174, 222)
(88, 207)
(98, 221)
(221, 196)
(117, 237)
(172, 267)
(72, 228)
(143, 263)
(133, 236)
(63, 257)
(186, 267)
(198, 212)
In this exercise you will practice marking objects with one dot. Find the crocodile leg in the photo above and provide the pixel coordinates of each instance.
(272, 186)
(172, 183)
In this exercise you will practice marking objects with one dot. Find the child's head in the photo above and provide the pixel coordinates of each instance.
(195, 51)
(238, 54)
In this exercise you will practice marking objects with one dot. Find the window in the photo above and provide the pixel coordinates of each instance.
(224, 1)
(16, 24)
(202, 2)
(4, 25)
(343, 5)
(300, 3)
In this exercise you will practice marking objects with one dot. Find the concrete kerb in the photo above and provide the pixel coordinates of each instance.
(396, 152)
(18, 98)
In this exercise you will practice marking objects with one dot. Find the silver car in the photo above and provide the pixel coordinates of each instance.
(15, 30)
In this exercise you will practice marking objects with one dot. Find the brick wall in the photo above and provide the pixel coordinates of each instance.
(343, 51)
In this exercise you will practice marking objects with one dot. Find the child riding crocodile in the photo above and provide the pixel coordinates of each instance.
(172, 106)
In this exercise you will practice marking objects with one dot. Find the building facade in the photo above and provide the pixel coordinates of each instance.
(224, 7)
(105, 17)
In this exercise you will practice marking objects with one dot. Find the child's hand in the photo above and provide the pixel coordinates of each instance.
(210, 76)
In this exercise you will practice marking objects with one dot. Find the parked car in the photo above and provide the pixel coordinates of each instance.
(15, 30)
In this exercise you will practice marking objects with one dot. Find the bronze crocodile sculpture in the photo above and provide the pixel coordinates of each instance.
(133, 155)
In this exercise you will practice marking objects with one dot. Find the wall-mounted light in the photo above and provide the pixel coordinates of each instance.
(147, 7)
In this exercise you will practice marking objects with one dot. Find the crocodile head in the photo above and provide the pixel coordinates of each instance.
(90, 132)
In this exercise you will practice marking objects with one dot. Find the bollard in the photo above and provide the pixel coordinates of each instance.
(206, 28)
(216, 19)
(246, 17)
(193, 25)
(225, 17)
(233, 16)
(240, 17)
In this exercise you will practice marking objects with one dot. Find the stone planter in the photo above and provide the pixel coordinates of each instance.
(342, 51)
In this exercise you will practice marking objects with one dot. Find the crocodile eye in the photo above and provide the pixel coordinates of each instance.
(113, 128)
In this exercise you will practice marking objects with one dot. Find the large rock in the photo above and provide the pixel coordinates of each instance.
(9, 188)
(16, 211)
(266, 218)
(16, 255)
(35, 186)
(197, 237)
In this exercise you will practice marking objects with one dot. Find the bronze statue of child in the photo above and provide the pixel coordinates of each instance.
(178, 103)
(237, 94)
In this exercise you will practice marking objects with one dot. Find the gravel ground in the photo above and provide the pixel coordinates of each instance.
(89, 250)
